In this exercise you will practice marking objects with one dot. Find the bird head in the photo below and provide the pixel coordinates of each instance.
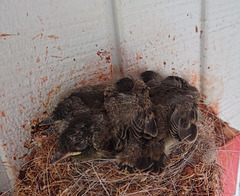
(69, 146)
(151, 78)
(76, 138)
(124, 85)
(176, 81)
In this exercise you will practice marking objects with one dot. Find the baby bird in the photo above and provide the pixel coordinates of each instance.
(175, 106)
(128, 106)
(81, 100)
(88, 136)
(179, 100)
(151, 78)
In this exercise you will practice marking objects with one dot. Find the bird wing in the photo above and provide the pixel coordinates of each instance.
(131, 109)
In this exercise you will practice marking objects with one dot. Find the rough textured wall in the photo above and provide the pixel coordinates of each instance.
(46, 49)
(49, 47)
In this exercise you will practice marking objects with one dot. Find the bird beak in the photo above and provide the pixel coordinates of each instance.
(60, 156)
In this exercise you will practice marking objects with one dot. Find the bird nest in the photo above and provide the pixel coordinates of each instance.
(195, 172)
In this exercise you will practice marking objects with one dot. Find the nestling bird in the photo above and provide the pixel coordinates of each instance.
(89, 136)
(175, 106)
(81, 100)
(130, 109)
(180, 100)
(128, 106)
(151, 78)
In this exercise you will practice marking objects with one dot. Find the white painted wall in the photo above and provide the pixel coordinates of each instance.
(48, 47)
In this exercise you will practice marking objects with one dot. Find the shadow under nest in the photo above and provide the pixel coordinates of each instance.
(195, 172)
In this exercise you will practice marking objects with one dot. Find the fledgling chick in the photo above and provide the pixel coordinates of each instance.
(151, 78)
(81, 100)
(129, 107)
(175, 105)
(88, 136)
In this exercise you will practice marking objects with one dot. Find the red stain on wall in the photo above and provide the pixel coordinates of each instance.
(32, 99)
(4, 35)
(48, 98)
(58, 88)
(196, 29)
(194, 79)
(138, 57)
(104, 54)
(22, 106)
(39, 35)
(57, 57)
(44, 79)
(53, 37)
(3, 114)
(38, 59)
(22, 157)
(46, 53)
(111, 70)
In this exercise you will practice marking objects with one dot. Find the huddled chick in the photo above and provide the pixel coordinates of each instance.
(135, 121)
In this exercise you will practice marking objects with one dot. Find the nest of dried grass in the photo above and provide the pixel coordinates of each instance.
(195, 172)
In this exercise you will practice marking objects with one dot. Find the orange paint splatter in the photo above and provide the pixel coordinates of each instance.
(58, 57)
(48, 99)
(111, 70)
(44, 79)
(194, 80)
(22, 157)
(39, 35)
(108, 60)
(32, 99)
(21, 112)
(3, 114)
(22, 106)
(196, 29)
(104, 54)
(131, 32)
(4, 35)
(40, 19)
(30, 72)
(84, 81)
(23, 126)
(58, 88)
(72, 72)
(1, 127)
(138, 57)
(53, 37)
(46, 53)
(38, 59)
(174, 37)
